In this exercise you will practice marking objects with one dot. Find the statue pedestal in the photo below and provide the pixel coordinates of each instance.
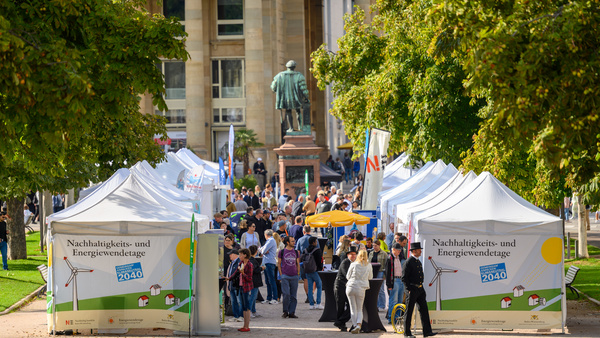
(298, 154)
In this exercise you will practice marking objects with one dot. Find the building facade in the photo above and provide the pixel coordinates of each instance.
(236, 47)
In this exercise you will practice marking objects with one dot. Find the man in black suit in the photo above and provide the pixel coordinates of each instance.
(412, 277)
(339, 291)
(254, 201)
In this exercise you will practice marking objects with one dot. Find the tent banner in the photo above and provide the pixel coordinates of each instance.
(181, 180)
(493, 281)
(117, 282)
(375, 164)
(193, 180)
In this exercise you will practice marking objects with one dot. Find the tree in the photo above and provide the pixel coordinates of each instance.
(382, 77)
(71, 74)
(245, 139)
(538, 62)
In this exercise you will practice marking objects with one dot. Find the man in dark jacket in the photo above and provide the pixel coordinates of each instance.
(4, 239)
(297, 206)
(249, 216)
(323, 205)
(261, 226)
(412, 277)
(339, 291)
(254, 200)
(256, 280)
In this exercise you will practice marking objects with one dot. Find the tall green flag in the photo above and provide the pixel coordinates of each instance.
(192, 249)
(306, 181)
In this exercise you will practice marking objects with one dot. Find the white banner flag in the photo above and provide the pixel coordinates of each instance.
(375, 163)
(193, 180)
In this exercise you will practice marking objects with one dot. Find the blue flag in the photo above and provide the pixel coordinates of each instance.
(222, 174)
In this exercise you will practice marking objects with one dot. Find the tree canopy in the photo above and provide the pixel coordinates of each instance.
(537, 63)
(71, 74)
(505, 86)
(382, 77)
(71, 77)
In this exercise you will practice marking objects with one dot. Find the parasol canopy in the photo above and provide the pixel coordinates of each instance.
(346, 146)
(336, 218)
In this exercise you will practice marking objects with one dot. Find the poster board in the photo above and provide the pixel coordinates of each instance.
(118, 282)
(493, 281)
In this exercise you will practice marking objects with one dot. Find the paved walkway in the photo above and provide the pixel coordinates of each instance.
(583, 321)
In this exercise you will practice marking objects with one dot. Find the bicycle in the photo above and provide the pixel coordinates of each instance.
(398, 314)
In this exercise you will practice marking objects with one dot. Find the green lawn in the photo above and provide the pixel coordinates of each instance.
(23, 277)
(588, 278)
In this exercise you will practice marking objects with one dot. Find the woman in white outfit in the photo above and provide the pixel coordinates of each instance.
(358, 276)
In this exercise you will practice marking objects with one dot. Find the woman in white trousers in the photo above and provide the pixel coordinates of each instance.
(358, 276)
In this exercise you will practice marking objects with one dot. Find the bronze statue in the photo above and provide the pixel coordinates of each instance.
(292, 94)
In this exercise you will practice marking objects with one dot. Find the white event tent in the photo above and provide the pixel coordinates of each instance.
(187, 155)
(408, 188)
(404, 211)
(396, 173)
(170, 169)
(159, 185)
(423, 189)
(111, 254)
(500, 259)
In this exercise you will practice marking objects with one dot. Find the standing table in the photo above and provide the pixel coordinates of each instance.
(371, 321)
(327, 282)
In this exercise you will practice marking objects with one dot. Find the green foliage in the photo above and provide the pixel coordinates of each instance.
(247, 181)
(383, 78)
(71, 75)
(245, 139)
(538, 62)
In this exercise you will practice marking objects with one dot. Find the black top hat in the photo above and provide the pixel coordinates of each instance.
(415, 246)
(353, 249)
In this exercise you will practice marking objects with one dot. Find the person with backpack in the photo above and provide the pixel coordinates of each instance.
(312, 262)
(288, 263)
(348, 165)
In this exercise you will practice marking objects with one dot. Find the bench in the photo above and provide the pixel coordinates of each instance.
(28, 222)
(570, 278)
(43, 269)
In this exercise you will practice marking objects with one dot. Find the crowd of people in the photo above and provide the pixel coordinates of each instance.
(273, 244)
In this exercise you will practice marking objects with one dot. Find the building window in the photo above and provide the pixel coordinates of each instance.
(174, 8)
(229, 115)
(228, 92)
(174, 72)
(230, 19)
(173, 116)
(227, 79)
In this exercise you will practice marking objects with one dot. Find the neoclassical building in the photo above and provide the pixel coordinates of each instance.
(236, 47)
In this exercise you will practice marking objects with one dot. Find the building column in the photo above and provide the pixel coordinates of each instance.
(195, 80)
(256, 119)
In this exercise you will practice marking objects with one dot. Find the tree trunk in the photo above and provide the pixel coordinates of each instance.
(48, 210)
(70, 198)
(246, 165)
(582, 246)
(17, 246)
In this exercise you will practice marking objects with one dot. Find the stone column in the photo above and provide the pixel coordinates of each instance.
(256, 118)
(195, 81)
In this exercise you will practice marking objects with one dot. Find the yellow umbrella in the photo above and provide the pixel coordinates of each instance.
(346, 146)
(336, 218)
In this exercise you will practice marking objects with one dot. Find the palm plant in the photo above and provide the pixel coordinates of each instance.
(245, 140)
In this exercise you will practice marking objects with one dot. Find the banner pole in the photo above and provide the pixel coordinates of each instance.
(190, 293)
